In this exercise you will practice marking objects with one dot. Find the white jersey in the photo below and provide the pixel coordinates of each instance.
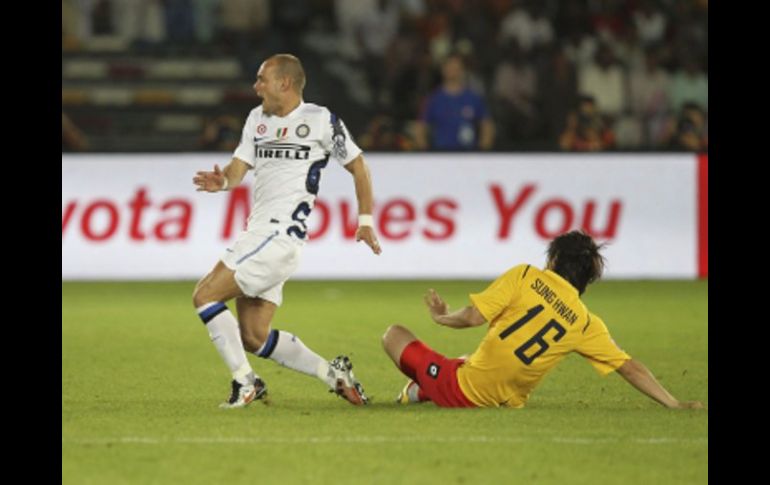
(287, 155)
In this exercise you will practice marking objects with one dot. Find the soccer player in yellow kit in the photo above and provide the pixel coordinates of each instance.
(535, 319)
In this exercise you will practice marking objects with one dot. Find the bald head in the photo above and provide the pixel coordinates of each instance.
(287, 65)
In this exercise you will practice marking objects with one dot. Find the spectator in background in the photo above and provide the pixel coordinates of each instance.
(72, 138)
(476, 28)
(604, 80)
(205, 20)
(220, 134)
(514, 94)
(689, 84)
(473, 70)
(648, 95)
(407, 73)
(360, 49)
(580, 48)
(690, 131)
(149, 23)
(245, 27)
(454, 117)
(629, 50)
(608, 20)
(289, 22)
(439, 35)
(628, 130)
(348, 15)
(375, 32)
(688, 30)
(528, 25)
(382, 134)
(650, 23)
(180, 25)
(558, 88)
(586, 130)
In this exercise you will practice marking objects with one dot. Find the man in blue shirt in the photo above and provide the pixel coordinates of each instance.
(456, 117)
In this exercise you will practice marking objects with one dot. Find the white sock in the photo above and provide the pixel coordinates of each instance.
(289, 351)
(224, 333)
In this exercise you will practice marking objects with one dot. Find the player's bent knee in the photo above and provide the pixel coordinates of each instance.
(391, 335)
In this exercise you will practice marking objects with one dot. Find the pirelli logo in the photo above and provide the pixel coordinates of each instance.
(290, 151)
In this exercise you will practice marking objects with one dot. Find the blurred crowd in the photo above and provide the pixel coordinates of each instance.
(510, 75)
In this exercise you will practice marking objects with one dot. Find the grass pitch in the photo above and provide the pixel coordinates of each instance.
(141, 383)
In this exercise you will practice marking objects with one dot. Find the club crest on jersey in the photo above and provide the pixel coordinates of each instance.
(302, 130)
(261, 129)
(281, 133)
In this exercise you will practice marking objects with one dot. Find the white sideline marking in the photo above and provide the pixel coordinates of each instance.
(203, 440)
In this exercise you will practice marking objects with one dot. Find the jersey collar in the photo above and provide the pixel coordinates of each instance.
(294, 111)
(557, 276)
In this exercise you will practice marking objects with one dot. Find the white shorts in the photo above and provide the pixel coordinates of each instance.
(262, 262)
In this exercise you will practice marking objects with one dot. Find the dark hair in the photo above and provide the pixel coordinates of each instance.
(691, 106)
(575, 257)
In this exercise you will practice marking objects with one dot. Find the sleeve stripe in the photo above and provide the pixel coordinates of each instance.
(587, 324)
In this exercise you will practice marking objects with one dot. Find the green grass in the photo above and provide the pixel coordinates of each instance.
(141, 383)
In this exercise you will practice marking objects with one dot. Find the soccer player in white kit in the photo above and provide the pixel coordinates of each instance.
(287, 143)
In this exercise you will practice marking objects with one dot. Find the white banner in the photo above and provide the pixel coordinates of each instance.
(437, 215)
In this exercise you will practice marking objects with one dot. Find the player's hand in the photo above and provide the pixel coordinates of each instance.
(367, 235)
(436, 305)
(209, 181)
(689, 405)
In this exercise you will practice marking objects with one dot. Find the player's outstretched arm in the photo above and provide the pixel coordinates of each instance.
(463, 318)
(641, 378)
(218, 180)
(363, 181)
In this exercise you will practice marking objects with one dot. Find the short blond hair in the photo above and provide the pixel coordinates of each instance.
(290, 66)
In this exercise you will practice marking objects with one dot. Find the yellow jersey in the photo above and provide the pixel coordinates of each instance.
(535, 319)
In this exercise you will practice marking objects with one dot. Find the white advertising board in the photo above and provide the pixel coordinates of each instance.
(437, 215)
